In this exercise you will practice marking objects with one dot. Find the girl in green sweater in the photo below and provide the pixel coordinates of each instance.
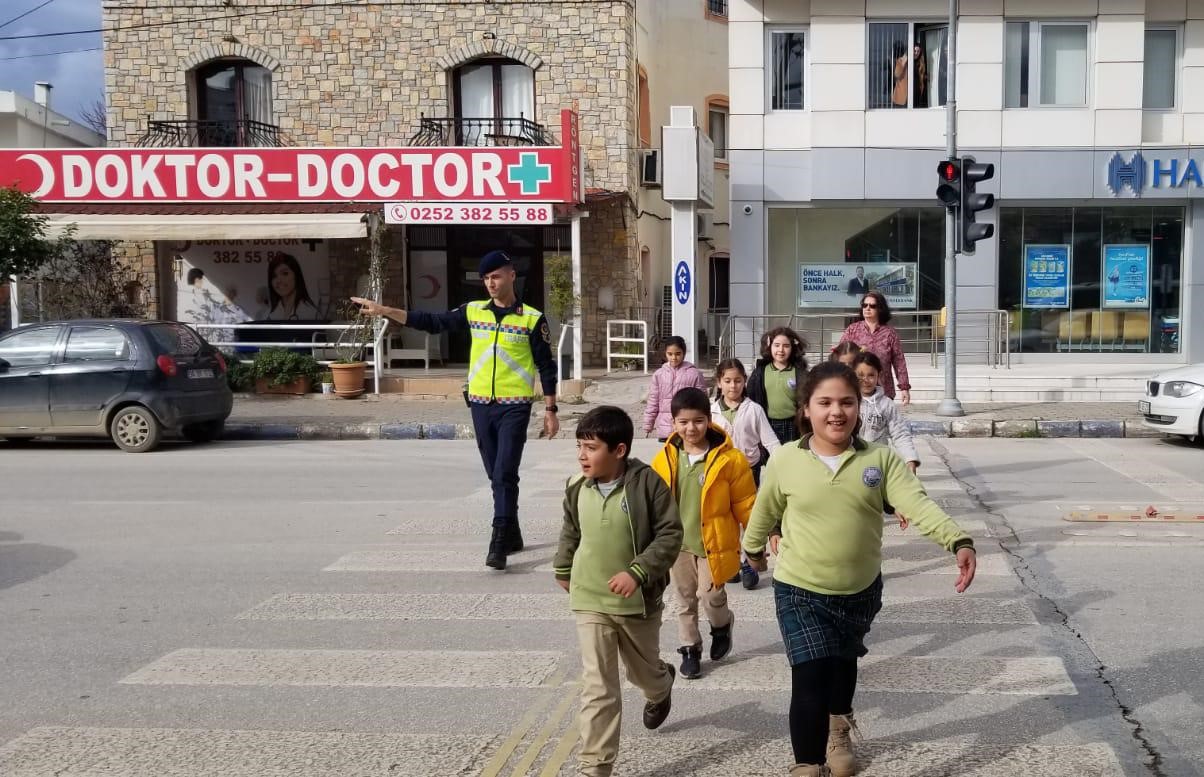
(828, 490)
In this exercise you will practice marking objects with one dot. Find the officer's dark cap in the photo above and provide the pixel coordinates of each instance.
(494, 260)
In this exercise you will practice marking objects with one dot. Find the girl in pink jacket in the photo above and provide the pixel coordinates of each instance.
(673, 376)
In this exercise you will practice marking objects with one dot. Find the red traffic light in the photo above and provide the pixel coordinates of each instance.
(948, 170)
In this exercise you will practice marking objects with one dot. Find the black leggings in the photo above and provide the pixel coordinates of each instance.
(819, 688)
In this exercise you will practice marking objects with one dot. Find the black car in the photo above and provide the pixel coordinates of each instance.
(129, 380)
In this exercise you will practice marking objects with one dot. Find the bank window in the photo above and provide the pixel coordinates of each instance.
(1045, 64)
(1161, 69)
(717, 129)
(906, 65)
(787, 69)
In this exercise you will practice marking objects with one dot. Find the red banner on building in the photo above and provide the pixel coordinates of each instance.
(212, 175)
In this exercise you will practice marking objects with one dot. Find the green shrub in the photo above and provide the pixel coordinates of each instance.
(239, 375)
(280, 366)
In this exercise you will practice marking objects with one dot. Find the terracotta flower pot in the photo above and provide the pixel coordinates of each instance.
(298, 386)
(349, 379)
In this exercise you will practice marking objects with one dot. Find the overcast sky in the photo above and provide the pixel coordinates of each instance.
(78, 77)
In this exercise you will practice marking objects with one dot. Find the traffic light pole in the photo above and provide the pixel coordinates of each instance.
(950, 405)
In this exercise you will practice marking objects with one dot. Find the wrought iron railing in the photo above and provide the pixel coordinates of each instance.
(205, 132)
(717, 7)
(481, 132)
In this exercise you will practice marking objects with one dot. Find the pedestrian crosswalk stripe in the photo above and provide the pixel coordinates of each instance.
(965, 608)
(352, 668)
(171, 752)
(976, 675)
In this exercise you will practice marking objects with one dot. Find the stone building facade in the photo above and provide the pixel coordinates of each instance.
(344, 75)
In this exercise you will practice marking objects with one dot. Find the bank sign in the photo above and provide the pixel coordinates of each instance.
(301, 174)
(1135, 173)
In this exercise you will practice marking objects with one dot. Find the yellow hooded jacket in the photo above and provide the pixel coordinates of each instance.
(728, 493)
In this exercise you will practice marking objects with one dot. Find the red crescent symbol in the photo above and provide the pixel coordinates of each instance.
(435, 286)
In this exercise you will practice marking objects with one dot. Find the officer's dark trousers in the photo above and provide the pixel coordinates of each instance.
(501, 432)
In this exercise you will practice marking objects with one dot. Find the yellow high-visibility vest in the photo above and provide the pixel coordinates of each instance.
(501, 365)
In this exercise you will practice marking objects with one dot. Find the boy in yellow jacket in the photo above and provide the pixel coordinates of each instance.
(714, 490)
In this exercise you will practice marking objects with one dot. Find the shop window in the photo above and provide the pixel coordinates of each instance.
(1092, 279)
(906, 65)
(645, 110)
(787, 70)
(495, 102)
(1045, 64)
(1161, 69)
(234, 103)
(717, 126)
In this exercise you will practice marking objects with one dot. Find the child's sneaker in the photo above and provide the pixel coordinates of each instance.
(721, 640)
(691, 661)
(748, 576)
(841, 760)
(655, 712)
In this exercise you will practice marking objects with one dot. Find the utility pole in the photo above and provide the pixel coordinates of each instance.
(951, 405)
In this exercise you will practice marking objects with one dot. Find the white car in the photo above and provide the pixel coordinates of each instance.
(1174, 402)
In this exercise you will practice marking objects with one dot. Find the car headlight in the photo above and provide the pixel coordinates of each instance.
(1181, 388)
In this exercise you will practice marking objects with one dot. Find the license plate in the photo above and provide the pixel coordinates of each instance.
(1143, 407)
(199, 374)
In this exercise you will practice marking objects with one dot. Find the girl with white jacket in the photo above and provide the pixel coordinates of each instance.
(748, 426)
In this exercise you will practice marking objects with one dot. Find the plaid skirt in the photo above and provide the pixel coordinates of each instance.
(785, 428)
(818, 625)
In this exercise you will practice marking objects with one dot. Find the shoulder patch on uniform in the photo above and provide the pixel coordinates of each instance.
(872, 477)
(546, 332)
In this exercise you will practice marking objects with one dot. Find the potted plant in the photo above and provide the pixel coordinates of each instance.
(562, 301)
(327, 381)
(349, 368)
(281, 371)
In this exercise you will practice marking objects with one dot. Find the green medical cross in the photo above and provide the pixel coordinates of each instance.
(529, 173)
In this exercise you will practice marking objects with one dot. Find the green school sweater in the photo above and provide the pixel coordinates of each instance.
(832, 522)
(607, 548)
(779, 392)
(690, 478)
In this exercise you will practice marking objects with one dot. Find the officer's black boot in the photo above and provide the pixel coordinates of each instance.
(496, 558)
(514, 537)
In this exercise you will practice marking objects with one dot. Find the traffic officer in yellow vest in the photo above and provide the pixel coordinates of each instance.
(511, 344)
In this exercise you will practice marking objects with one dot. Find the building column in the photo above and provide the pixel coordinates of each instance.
(1191, 287)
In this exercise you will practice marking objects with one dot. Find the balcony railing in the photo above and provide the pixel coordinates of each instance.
(481, 132)
(717, 7)
(205, 132)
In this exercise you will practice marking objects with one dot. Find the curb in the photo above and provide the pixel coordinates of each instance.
(962, 427)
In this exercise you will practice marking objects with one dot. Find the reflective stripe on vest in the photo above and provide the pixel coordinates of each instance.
(501, 365)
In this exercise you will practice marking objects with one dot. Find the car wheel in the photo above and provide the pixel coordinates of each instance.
(135, 429)
(204, 432)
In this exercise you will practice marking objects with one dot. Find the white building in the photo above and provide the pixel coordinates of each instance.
(26, 123)
(1088, 110)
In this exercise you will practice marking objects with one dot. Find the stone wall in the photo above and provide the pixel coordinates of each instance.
(609, 258)
(362, 76)
(139, 256)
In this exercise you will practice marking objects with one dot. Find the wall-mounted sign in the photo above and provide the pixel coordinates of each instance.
(842, 285)
(682, 283)
(502, 213)
(1047, 276)
(208, 175)
(1126, 276)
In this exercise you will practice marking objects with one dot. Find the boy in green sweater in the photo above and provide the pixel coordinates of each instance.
(621, 534)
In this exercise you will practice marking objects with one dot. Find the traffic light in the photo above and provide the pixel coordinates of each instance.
(949, 192)
(972, 202)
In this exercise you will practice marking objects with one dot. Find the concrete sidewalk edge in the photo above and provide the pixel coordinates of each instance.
(962, 427)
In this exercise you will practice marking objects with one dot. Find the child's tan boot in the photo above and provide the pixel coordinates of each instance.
(808, 770)
(841, 760)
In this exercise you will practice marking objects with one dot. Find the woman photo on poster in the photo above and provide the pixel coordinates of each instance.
(288, 296)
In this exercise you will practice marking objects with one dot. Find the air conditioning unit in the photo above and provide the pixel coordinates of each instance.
(705, 226)
(650, 167)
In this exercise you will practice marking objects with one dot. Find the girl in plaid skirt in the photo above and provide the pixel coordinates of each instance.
(828, 490)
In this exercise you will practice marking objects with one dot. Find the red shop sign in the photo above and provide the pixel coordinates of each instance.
(300, 174)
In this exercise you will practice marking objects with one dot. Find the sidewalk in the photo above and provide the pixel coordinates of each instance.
(394, 417)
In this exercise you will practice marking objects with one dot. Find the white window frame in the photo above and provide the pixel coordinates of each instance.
(805, 31)
(1178, 68)
(727, 126)
(1035, 64)
(911, 67)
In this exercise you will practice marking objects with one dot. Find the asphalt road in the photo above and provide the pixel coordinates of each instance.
(321, 608)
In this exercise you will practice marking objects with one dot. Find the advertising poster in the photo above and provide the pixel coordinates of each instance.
(1126, 278)
(842, 285)
(1047, 276)
(237, 281)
